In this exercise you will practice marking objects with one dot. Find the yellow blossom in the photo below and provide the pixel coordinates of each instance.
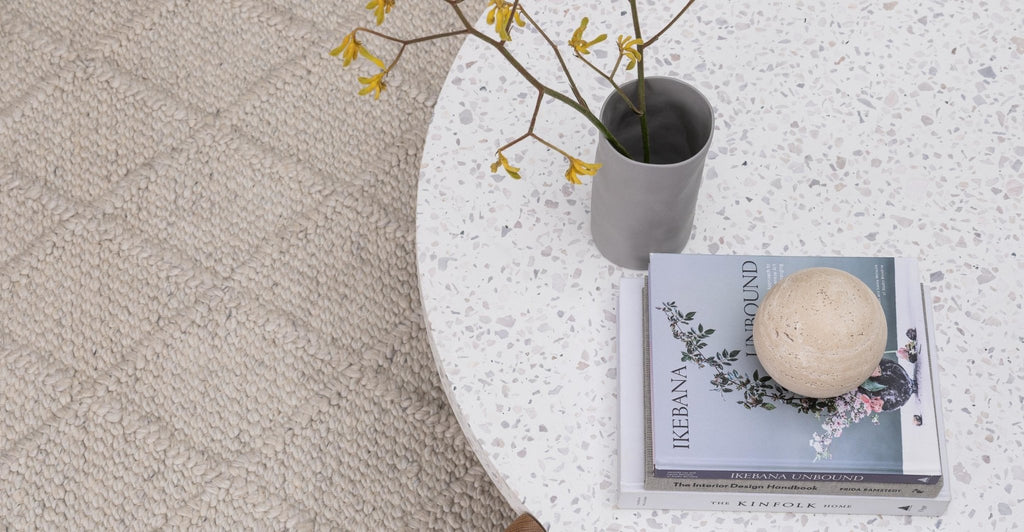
(578, 168)
(350, 48)
(374, 84)
(503, 162)
(577, 42)
(498, 16)
(380, 8)
(627, 49)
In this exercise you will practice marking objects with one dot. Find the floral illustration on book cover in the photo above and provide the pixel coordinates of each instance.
(888, 388)
(713, 406)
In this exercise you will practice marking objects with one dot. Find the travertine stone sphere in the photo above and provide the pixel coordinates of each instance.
(820, 332)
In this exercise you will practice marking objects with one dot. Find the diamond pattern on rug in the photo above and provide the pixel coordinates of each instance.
(88, 128)
(241, 42)
(218, 223)
(209, 312)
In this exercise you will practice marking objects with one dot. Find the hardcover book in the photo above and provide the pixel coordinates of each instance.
(633, 494)
(718, 422)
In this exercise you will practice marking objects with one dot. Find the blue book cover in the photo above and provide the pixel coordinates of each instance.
(716, 414)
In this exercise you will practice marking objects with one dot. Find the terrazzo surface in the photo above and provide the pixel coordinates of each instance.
(878, 128)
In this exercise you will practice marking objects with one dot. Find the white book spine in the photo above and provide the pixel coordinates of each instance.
(637, 497)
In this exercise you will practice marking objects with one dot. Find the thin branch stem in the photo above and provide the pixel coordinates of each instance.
(548, 91)
(533, 124)
(536, 110)
(538, 138)
(615, 69)
(519, 139)
(407, 42)
(641, 84)
(669, 25)
(397, 57)
(550, 145)
(558, 54)
(610, 80)
(508, 25)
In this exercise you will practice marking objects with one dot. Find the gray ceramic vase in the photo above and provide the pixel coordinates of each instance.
(639, 208)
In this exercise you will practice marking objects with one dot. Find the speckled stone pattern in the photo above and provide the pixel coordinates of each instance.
(889, 128)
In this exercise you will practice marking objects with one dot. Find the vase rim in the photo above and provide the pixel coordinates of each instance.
(691, 87)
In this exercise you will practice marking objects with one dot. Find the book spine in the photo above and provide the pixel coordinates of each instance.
(637, 497)
(646, 365)
(866, 489)
(794, 476)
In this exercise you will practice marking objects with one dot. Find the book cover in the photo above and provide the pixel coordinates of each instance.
(716, 415)
(633, 494)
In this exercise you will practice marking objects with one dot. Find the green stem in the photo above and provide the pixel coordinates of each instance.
(615, 69)
(533, 123)
(552, 146)
(612, 81)
(589, 116)
(536, 83)
(558, 55)
(670, 23)
(406, 42)
(641, 85)
(410, 41)
(511, 20)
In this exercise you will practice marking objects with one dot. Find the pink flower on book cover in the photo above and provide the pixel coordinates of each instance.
(850, 409)
(874, 404)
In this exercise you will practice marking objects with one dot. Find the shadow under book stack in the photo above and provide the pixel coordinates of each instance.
(703, 427)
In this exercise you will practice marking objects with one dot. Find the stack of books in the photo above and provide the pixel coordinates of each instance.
(703, 427)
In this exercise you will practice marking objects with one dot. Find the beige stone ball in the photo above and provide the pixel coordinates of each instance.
(820, 332)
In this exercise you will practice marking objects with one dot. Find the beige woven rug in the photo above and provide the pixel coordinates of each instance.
(209, 313)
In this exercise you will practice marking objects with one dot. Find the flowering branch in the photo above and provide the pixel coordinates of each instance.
(351, 48)
(508, 25)
(612, 81)
(502, 16)
(407, 42)
(535, 82)
(533, 123)
(558, 55)
(641, 85)
(576, 169)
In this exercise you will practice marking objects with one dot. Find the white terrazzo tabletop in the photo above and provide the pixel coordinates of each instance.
(853, 128)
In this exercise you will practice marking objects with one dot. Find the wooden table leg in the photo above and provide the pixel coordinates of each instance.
(525, 523)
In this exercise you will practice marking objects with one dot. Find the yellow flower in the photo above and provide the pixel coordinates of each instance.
(581, 46)
(627, 49)
(350, 48)
(578, 168)
(380, 7)
(503, 162)
(498, 16)
(374, 84)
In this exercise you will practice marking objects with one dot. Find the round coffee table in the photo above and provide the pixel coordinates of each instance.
(860, 129)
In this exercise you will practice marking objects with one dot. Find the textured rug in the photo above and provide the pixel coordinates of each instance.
(209, 313)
